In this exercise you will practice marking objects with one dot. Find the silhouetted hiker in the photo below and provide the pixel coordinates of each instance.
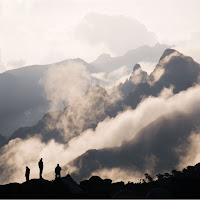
(27, 174)
(40, 164)
(57, 171)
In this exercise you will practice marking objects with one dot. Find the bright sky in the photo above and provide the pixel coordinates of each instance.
(46, 31)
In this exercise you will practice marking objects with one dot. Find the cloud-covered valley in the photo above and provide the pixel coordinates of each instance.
(112, 134)
(28, 93)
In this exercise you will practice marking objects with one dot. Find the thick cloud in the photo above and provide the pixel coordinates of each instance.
(113, 133)
(153, 133)
(114, 78)
(190, 150)
(117, 32)
(154, 148)
(65, 83)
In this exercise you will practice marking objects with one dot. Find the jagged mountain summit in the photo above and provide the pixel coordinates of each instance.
(83, 114)
(138, 76)
(95, 106)
(174, 69)
(23, 98)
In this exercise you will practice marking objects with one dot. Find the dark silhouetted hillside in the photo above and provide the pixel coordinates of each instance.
(177, 184)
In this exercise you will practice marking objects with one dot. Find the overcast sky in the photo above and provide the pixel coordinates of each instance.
(46, 31)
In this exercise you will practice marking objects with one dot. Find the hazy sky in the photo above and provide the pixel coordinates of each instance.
(46, 31)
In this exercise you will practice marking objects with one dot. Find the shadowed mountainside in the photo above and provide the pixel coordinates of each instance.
(81, 115)
(156, 142)
(96, 104)
(23, 100)
(174, 69)
(158, 139)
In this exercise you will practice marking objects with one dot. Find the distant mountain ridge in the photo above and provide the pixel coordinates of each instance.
(79, 116)
(173, 69)
(159, 138)
(99, 104)
(142, 54)
(23, 100)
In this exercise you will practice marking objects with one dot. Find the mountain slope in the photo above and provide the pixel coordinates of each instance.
(174, 69)
(81, 115)
(153, 149)
(96, 105)
(23, 98)
(137, 77)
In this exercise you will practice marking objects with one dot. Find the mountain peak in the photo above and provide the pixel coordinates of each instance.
(137, 66)
(168, 52)
(103, 58)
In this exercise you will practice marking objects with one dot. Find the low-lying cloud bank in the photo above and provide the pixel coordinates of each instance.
(112, 132)
(114, 78)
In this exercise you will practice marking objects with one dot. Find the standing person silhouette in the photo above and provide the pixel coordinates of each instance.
(27, 173)
(57, 171)
(40, 164)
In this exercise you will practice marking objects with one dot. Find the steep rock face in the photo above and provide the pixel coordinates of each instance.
(174, 69)
(137, 77)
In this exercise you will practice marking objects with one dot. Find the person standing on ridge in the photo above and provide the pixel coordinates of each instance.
(57, 171)
(27, 173)
(40, 164)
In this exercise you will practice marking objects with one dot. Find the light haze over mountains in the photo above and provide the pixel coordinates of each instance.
(148, 119)
(102, 87)
(24, 101)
